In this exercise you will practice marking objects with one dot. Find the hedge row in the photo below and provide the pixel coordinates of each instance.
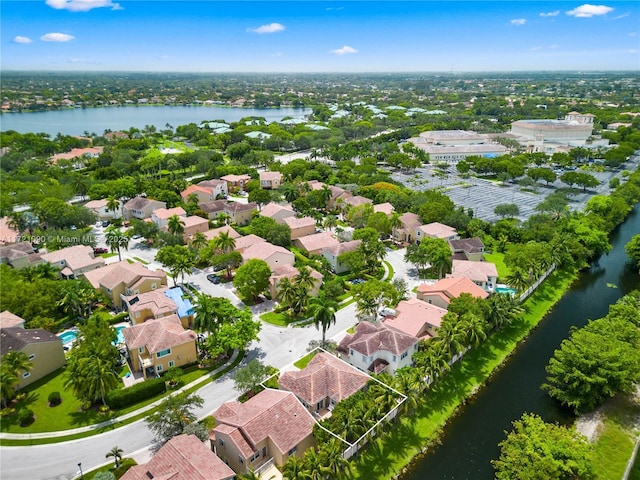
(136, 393)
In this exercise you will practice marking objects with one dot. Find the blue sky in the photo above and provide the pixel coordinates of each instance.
(319, 36)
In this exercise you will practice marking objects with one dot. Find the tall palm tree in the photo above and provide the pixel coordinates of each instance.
(324, 315)
(113, 205)
(407, 381)
(204, 312)
(286, 291)
(17, 362)
(116, 240)
(330, 222)
(294, 469)
(433, 359)
(518, 279)
(199, 240)
(224, 242)
(314, 465)
(99, 378)
(474, 327)
(304, 279)
(334, 462)
(8, 382)
(450, 335)
(116, 452)
(46, 270)
(175, 225)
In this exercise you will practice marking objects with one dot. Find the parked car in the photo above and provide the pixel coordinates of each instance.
(99, 250)
(105, 223)
(136, 236)
(357, 281)
(213, 278)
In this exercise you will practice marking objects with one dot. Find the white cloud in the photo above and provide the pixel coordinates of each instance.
(269, 28)
(588, 11)
(82, 5)
(535, 49)
(518, 21)
(344, 50)
(555, 13)
(20, 39)
(633, 34)
(56, 37)
(277, 54)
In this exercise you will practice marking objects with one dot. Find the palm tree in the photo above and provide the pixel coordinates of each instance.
(289, 192)
(504, 309)
(334, 462)
(395, 223)
(518, 279)
(304, 279)
(330, 222)
(46, 270)
(8, 382)
(294, 469)
(450, 335)
(175, 225)
(433, 359)
(99, 378)
(286, 291)
(223, 219)
(113, 205)
(17, 362)
(314, 465)
(474, 327)
(324, 315)
(407, 380)
(250, 475)
(199, 240)
(116, 240)
(204, 312)
(224, 242)
(116, 452)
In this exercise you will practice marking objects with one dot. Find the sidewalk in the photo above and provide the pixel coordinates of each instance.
(112, 421)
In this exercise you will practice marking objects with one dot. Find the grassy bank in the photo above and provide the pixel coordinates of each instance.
(388, 455)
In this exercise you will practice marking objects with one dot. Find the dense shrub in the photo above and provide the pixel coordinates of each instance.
(125, 397)
(54, 399)
(25, 416)
(119, 318)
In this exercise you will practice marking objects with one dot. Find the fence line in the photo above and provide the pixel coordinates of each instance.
(537, 283)
(632, 460)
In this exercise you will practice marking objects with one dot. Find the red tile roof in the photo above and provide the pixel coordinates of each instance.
(324, 376)
(453, 287)
(412, 315)
(184, 457)
(158, 335)
(273, 414)
(317, 241)
(371, 337)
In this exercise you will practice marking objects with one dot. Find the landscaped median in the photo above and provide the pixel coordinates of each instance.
(124, 416)
(391, 453)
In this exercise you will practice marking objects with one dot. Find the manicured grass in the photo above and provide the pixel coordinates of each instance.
(387, 455)
(498, 259)
(144, 262)
(125, 464)
(304, 361)
(616, 439)
(391, 272)
(108, 255)
(278, 319)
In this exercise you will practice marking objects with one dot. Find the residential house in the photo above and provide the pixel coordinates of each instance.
(336, 192)
(281, 272)
(202, 194)
(376, 347)
(99, 208)
(183, 457)
(194, 224)
(7, 234)
(274, 255)
(357, 201)
(333, 252)
(435, 230)
(300, 227)
(483, 274)
(121, 279)
(43, 349)
(242, 243)
(78, 154)
(160, 303)
(9, 320)
(324, 382)
(161, 216)
(471, 249)
(270, 180)
(141, 208)
(19, 255)
(271, 426)
(213, 209)
(277, 212)
(218, 187)
(385, 208)
(443, 291)
(314, 244)
(236, 183)
(73, 261)
(159, 345)
(406, 232)
(416, 318)
(215, 233)
(240, 213)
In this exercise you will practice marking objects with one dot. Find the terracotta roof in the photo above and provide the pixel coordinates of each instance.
(214, 182)
(95, 204)
(16, 250)
(264, 250)
(156, 301)
(273, 414)
(194, 220)
(213, 206)
(452, 288)
(193, 189)
(9, 320)
(270, 176)
(288, 271)
(412, 315)
(14, 339)
(242, 243)
(385, 208)
(357, 200)
(475, 271)
(184, 457)
(271, 209)
(112, 275)
(335, 191)
(138, 203)
(75, 257)
(370, 338)
(158, 335)
(302, 222)
(438, 230)
(344, 247)
(77, 152)
(7, 234)
(410, 220)
(469, 245)
(324, 376)
(317, 241)
(214, 233)
(167, 213)
(240, 207)
(235, 178)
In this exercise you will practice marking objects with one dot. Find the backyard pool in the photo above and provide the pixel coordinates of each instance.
(120, 338)
(67, 337)
(506, 290)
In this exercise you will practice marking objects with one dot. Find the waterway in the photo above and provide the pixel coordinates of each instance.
(471, 440)
(96, 120)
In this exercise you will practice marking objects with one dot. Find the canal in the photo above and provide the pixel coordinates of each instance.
(471, 440)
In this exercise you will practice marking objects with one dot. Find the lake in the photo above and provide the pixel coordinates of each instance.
(96, 120)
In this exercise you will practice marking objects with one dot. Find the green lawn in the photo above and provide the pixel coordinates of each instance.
(304, 361)
(498, 259)
(278, 319)
(617, 437)
(391, 272)
(125, 464)
(387, 455)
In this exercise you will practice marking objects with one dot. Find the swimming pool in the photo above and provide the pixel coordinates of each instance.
(67, 337)
(508, 290)
(120, 338)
